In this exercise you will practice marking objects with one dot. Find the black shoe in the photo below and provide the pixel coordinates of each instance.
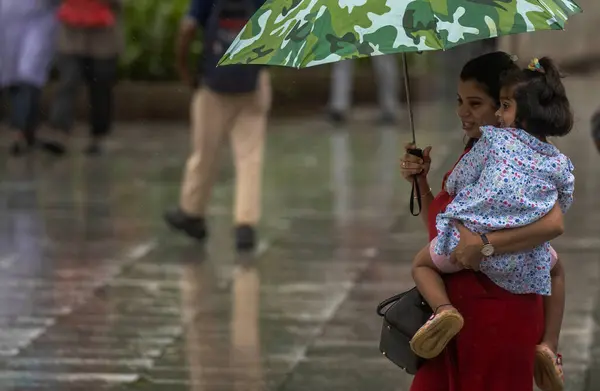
(19, 148)
(53, 140)
(337, 117)
(93, 149)
(53, 147)
(23, 143)
(245, 238)
(194, 227)
(596, 129)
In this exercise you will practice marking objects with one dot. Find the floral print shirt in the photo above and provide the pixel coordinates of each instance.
(508, 179)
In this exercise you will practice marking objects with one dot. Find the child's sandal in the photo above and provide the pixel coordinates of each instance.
(548, 369)
(431, 339)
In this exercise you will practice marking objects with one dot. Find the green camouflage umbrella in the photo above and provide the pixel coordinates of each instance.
(304, 33)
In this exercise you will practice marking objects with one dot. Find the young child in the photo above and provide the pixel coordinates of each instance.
(511, 177)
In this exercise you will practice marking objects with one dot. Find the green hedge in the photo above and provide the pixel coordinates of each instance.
(151, 28)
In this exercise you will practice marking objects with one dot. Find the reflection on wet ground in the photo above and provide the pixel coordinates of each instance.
(96, 294)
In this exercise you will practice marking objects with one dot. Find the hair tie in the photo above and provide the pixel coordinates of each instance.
(535, 66)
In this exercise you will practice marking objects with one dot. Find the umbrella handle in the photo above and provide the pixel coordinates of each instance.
(415, 193)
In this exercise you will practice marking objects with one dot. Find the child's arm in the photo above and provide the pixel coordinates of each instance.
(468, 170)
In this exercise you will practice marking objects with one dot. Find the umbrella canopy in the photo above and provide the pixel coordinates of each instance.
(305, 33)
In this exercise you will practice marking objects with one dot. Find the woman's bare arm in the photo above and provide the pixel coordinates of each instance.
(426, 199)
(525, 238)
(468, 250)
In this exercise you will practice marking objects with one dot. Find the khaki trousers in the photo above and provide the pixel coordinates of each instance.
(242, 117)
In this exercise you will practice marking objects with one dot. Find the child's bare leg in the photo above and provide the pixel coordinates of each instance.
(431, 339)
(554, 306)
(548, 371)
(429, 281)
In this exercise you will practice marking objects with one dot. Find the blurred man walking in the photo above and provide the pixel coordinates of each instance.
(234, 102)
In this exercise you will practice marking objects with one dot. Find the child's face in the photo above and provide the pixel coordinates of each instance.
(507, 112)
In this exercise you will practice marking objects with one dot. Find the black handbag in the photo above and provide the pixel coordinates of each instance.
(402, 315)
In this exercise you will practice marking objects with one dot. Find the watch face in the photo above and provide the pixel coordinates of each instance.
(487, 250)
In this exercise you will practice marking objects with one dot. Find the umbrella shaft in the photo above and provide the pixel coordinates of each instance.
(408, 103)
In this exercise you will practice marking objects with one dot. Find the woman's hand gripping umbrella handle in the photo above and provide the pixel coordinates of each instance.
(415, 193)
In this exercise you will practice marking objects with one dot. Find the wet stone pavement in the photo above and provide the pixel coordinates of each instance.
(97, 294)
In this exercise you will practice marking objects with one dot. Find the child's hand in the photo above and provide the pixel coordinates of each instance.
(468, 250)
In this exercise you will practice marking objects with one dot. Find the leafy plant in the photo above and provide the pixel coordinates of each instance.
(151, 27)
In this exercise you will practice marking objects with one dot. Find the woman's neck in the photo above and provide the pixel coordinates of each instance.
(470, 143)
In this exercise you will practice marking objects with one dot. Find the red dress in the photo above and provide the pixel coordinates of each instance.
(495, 349)
(86, 14)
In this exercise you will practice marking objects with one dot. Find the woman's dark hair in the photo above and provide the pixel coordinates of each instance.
(543, 108)
(487, 70)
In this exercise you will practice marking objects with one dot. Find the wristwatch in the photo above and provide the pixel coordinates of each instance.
(488, 249)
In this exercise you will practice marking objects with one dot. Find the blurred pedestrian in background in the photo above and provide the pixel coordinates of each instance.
(596, 129)
(233, 101)
(27, 34)
(89, 43)
(385, 69)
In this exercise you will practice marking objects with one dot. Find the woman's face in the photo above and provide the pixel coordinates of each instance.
(475, 108)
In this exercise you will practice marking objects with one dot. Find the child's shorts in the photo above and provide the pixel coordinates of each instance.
(443, 264)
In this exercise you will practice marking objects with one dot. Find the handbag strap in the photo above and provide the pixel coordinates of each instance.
(387, 302)
(415, 193)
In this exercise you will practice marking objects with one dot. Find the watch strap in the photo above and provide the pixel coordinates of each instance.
(484, 239)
